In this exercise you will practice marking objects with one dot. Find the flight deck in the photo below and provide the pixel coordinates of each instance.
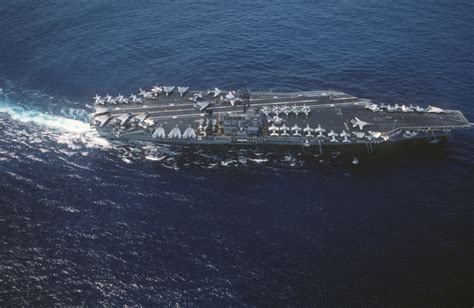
(174, 115)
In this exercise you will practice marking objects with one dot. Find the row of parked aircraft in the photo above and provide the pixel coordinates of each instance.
(403, 108)
(157, 90)
(296, 131)
(120, 99)
(287, 110)
(174, 133)
(138, 98)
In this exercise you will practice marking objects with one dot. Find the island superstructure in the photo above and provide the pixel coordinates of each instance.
(176, 115)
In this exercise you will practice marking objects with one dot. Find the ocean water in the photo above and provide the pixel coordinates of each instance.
(87, 221)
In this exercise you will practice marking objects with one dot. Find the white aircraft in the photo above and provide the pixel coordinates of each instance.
(232, 98)
(200, 126)
(285, 110)
(189, 132)
(233, 101)
(359, 135)
(391, 109)
(99, 100)
(157, 90)
(409, 134)
(376, 135)
(306, 110)
(308, 130)
(295, 110)
(182, 90)
(145, 94)
(419, 109)
(159, 133)
(333, 136)
(149, 122)
(168, 90)
(133, 98)
(373, 107)
(216, 92)
(274, 130)
(285, 130)
(432, 109)
(296, 129)
(124, 118)
(119, 99)
(275, 110)
(175, 132)
(196, 97)
(277, 120)
(108, 99)
(344, 134)
(319, 129)
(230, 95)
(405, 108)
(346, 140)
(102, 120)
(357, 122)
(266, 110)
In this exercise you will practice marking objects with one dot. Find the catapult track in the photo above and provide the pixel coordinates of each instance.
(312, 118)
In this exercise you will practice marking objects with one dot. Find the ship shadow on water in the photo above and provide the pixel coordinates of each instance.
(335, 159)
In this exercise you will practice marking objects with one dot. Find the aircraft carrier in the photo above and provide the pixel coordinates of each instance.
(176, 115)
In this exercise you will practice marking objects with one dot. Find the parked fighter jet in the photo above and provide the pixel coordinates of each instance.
(319, 129)
(284, 128)
(296, 130)
(135, 99)
(373, 107)
(359, 135)
(182, 90)
(333, 136)
(308, 130)
(119, 99)
(216, 92)
(266, 110)
(145, 94)
(99, 100)
(306, 110)
(168, 90)
(175, 132)
(156, 90)
(344, 134)
(357, 122)
(296, 110)
(159, 133)
(274, 130)
(189, 132)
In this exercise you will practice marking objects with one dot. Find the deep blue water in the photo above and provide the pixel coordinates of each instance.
(86, 221)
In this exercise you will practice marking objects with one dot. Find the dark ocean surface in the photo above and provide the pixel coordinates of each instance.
(88, 221)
